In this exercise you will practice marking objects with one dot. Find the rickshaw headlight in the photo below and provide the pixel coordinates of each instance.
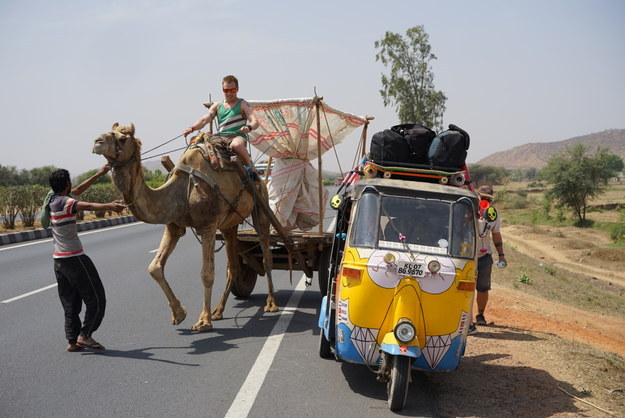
(404, 331)
(434, 266)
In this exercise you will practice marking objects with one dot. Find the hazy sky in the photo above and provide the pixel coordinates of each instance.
(513, 71)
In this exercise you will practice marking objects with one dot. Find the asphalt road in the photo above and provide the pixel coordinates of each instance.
(252, 364)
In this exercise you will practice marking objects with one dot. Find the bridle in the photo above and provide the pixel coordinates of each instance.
(118, 150)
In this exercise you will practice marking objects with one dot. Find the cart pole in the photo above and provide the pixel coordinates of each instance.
(208, 106)
(268, 170)
(364, 136)
(319, 166)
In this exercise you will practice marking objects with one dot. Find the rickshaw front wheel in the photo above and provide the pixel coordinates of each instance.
(325, 349)
(397, 386)
(323, 269)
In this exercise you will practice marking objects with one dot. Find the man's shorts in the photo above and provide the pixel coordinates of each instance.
(227, 139)
(484, 270)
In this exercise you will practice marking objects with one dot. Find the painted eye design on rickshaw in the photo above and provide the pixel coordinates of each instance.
(383, 268)
(441, 274)
(434, 266)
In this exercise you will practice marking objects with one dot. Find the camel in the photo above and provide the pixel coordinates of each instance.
(196, 196)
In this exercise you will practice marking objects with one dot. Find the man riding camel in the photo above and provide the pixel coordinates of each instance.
(232, 116)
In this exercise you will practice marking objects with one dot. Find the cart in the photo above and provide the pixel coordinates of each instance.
(292, 133)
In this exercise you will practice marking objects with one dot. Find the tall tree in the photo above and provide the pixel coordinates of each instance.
(410, 85)
(577, 176)
(41, 175)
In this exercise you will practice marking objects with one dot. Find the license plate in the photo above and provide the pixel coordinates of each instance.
(409, 268)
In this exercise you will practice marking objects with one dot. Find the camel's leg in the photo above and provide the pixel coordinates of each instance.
(262, 224)
(232, 271)
(208, 277)
(157, 270)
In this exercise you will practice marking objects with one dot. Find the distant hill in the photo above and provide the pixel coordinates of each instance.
(535, 155)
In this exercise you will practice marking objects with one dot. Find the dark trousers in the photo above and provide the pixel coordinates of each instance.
(79, 282)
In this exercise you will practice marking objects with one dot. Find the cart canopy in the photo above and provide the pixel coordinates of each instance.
(290, 133)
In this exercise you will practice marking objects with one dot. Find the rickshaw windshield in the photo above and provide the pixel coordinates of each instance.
(414, 223)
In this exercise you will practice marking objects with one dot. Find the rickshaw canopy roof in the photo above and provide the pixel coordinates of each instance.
(412, 189)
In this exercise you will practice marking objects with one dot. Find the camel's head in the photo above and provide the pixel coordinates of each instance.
(119, 145)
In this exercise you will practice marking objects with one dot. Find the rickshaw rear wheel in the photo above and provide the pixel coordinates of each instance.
(325, 348)
(397, 386)
(245, 282)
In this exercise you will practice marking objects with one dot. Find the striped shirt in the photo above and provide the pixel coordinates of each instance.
(231, 121)
(63, 223)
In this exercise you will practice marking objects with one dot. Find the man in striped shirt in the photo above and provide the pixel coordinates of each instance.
(77, 278)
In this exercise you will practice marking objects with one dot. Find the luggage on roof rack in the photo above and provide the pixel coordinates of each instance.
(418, 147)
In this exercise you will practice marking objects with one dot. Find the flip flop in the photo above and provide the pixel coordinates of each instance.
(93, 346)
(74, 347)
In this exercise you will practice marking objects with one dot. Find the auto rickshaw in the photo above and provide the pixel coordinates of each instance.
(403, 270)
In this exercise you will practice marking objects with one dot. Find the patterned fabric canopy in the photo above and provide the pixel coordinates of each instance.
(288, 133)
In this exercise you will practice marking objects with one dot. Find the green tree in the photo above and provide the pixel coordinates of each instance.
(105, 179)
(154, 178)
(614, 162)
(577, 176)
(9, 176)
(410, 85)
(41, 175)
(487, 173)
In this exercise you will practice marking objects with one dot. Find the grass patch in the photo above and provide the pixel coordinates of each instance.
(534, 277)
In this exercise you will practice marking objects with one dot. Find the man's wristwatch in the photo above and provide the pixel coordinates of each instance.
(250, 128)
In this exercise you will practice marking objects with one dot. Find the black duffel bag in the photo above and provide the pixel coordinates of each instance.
(408, 143)
(388, 146)
(418, 138)
(449, 149)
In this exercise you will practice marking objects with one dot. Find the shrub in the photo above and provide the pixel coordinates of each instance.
(100, 193)
(524, 278)
(545, 205)
(31, 198)
(560, 216)
(617, 233)
(9, 198)
(550, 270)
(517, 202)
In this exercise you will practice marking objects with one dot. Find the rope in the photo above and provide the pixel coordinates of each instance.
(325, 117)
(164, 143)
(163, 153)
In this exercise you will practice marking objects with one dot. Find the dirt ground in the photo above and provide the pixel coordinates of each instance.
(542, 358)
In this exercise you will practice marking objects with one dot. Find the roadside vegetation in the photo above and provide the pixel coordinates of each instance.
(23, 191)
(599, 241)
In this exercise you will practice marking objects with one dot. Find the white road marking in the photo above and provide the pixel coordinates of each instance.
(29, 293)
(242, 404)
(48, 240)
(41, 241)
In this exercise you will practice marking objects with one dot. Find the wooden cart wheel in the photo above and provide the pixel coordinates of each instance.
(244, 284)
(323, 270)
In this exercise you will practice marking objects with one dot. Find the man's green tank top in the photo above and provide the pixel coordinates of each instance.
(230, 121)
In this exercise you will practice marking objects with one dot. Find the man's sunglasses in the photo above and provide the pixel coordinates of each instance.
(231, 90)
